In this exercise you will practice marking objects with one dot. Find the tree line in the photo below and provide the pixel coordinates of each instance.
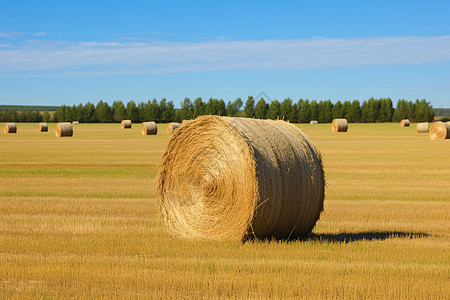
(303, 111)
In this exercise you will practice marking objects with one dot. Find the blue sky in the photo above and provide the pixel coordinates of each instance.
(71, 52)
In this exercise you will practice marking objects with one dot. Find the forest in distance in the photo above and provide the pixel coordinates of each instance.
(303, 111)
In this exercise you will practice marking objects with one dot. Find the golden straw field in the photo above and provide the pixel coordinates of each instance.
(78, 219)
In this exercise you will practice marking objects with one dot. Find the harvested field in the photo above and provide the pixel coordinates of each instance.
(384, 232)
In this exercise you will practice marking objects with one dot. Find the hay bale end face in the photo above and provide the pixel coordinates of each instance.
(439, 131)
(149, 128)
(64, 129)
(313, 122)
(126, 124)
(10, 128)
(171, 127)
(404, 123)
(42, 127)
(339, 125)
(237, 178)
(422, 127)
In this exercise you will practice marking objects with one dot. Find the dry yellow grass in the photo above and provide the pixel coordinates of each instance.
(78, 219)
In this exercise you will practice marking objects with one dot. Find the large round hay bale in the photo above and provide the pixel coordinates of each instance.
(339, 125)
(149, 128)
(10, 128)
(171, 127)
(42, 127)
(237, 178)
(314, 122)
(125, 124)
(440, 131)
(184, 122)
(64, 129)
(404, 123)
(422, 127)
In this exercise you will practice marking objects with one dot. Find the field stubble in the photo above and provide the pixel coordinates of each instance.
(78, 218)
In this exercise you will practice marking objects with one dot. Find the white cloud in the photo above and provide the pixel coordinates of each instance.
(40, 33)
(43, 58)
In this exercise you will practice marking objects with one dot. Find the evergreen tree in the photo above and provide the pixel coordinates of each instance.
(345, 110)
(274, 110)
(354, 114)
(89, 112)
(119, 112)
(337, 110)
(410, 111)
(199, 107)
(233, 107)
(314, 110)
(293, 117)
(132, 111)
(286, 109)
(249, 109)
(103, 113)
(187, 109)
(303, 111)
(364, 112)
(261, 109)
(46, 116)
(221, 108)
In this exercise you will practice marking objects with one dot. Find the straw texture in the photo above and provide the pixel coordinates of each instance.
(440, 131)
(184, 122)
(64, 129)
(313, 122)
(404, 123)
(10, 128)
(42, 127)
(339, 125)
(125, 124)
(149, 128)
(236, 178)
(171, 127)
(422, 127)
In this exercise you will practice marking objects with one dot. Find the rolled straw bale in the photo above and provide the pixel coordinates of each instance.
(171, 127)
(42, 127)
(448, 122)
(10, 128)
(75, 122)
(422, 127)
(63, 129)
(404, 123)
(149, 128)
(313, 122)
(339, 125)
(227, 178)
(184, 122)
(440, 131)
(125, 124)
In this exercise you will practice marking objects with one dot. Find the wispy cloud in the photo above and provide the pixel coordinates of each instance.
(43, 58)
(40, 33)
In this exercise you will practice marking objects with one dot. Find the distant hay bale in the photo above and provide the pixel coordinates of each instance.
(422, 127)
(64, 129)
(171, 127)
(227, 178)
(440, 131)
(125, 124)
(149, 128)
(404, 123)
(313, 122)
(184, 122)
(339, 125)
(10, 128)
(75, 122)
(42, 127)
(448, 122)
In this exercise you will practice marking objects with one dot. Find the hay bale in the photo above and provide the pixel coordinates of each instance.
(237, 178)
(448, 122)
(75, 123)
(171, 127)
(125, 124)
(440, 131)
(313, 122)
(339, 125)
(10, 128)
(184, 122)
(404, 123)
(422, 127)
(42, 127)
(63, 129)
(149, 128)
